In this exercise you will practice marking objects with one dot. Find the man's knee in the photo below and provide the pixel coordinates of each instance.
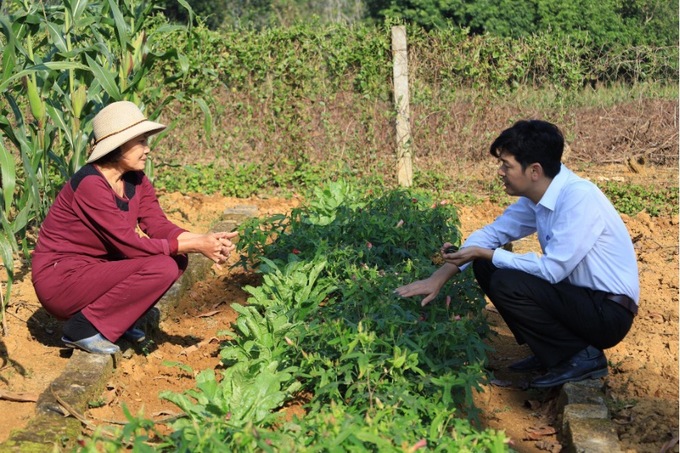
(506, 284)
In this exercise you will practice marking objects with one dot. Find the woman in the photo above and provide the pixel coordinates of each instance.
(106, 252)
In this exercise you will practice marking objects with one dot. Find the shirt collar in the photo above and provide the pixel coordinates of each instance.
(549, 198)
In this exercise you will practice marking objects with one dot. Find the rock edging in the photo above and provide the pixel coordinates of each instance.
(586, 426)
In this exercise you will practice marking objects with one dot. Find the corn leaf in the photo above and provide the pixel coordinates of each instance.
(121, 26)
(105, 78)
(8, 177)
(49, 65)
(7, 261)
(57, 37)
(76, 7)
(207, 122)
(8, 53)
(22, 218)
(31, 186)
(57, 116)
(8, 236)
(186, 5)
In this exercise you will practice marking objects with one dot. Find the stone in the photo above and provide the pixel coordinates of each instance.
(583, 411)
(588, 391)
(590, 435)
(239, 213)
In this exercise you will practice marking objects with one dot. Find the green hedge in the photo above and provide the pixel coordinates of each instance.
(310, 60)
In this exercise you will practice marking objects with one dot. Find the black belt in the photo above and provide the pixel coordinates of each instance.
(625, 301)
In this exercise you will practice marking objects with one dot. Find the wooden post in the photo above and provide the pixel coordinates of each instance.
(401, 101)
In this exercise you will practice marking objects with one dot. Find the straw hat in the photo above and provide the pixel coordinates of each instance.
(116, 124)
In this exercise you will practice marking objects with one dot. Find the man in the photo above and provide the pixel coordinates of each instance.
(576, 298)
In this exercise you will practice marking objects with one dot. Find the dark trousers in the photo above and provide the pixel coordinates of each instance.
(555, 320)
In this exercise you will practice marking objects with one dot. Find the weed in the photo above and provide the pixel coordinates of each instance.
(99, 402)
(631, 199)
(148, 347)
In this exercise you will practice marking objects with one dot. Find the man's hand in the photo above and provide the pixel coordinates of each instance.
(466, 255)
(430, 286)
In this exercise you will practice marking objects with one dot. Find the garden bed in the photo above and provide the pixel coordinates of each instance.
(643, 381)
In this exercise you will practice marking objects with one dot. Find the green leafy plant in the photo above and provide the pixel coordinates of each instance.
(631, 199)
(377, 371)
(135, 435)
(362, 347)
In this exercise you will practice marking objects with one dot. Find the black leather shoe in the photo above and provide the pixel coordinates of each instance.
(590, 363)
(528, 364)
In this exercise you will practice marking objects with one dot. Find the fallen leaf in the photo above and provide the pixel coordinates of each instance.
(552, 447)
(668, 446)
(623, 419)
(189, 350)
(164, 413)
(19, 397)
(655, 316)
(196, 347)
(208, 341)
(537, 432)
(110, 396)
(208, 314)
(532, 436)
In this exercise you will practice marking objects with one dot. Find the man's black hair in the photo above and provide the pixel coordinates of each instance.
(532, 141)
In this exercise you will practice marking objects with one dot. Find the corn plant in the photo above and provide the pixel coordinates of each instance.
(60, 64)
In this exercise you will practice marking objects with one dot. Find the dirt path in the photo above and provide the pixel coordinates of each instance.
(642, 385)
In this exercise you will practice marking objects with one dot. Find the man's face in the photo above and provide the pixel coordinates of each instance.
(515, 180)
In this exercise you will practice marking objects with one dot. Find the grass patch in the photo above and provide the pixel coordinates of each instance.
(632, 199)
(246, 180)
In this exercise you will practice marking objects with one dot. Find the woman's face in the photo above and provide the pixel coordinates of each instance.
(133, 155)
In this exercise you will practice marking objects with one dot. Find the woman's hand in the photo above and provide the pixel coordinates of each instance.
(215, 246)
(224, 246)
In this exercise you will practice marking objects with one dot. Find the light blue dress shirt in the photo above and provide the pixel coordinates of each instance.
(582, 237)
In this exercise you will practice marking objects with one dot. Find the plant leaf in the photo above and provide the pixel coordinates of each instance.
(7, 177)
(105, 78)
